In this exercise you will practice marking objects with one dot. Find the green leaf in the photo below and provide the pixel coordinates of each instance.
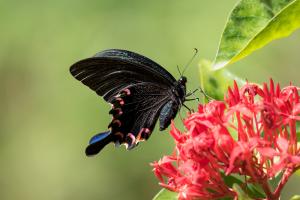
(216, 82)
(275, 181)
(295, 197)
(241, 194)
(230, 180)
(254, 191)
(298, 131)
(165, 194)
(254, 23)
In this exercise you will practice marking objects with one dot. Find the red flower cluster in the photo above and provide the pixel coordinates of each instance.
(252, 133)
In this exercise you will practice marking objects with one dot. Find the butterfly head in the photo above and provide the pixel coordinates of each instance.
(182, 80)
(180, 88)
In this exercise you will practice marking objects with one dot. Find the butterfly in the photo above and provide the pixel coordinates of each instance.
(139, 90)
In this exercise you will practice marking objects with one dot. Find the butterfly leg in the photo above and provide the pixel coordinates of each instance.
(190, 110)
(196, 98)
(208, 98)
(192, 93)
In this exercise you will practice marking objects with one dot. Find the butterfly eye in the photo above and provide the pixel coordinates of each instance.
(183, 79)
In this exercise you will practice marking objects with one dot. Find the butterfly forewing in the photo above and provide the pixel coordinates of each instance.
(111, 70)
(140, 60)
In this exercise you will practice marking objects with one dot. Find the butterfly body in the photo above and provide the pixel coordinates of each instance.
(139, 90)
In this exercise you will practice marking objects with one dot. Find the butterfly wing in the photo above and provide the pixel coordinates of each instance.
(98, 142)
(135, 111)
(112, 70)
(136, 86)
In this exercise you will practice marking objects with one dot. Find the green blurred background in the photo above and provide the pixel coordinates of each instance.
(47, 117)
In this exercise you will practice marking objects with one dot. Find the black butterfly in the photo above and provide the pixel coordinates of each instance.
(140, 91)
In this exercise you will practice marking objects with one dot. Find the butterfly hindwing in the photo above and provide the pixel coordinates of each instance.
(135, 111)
(97, 143)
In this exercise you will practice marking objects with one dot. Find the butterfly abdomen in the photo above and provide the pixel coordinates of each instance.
(167, 113)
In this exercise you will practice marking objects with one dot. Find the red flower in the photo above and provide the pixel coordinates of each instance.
(251, 133)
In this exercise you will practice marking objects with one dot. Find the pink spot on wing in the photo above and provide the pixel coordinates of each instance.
(119, 111)
(143, 134)
(132, 137)
(119, 135)
(127, 91)
(139, 136)
(117, 122)
(120, 100)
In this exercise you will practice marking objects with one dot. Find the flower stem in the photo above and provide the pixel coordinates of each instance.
(283, 181)
(267, 190)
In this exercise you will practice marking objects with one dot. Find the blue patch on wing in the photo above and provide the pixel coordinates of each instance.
(99, 137)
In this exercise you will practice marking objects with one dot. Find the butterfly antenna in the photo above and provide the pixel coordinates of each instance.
(179, 70)
(186, 66)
